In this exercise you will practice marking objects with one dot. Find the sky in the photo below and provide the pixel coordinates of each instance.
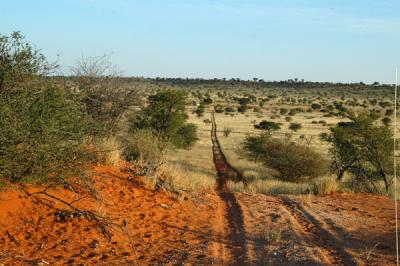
(316, 40)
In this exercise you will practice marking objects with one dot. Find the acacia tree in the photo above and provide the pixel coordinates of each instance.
(268, 126)
(166, 116)
(295, 126)
(362, 148)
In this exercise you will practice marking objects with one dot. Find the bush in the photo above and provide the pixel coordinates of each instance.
(242, 109)
(200, 110)
(20, 63)
(386, 121)
(207, 100)
(315, 106)
(283, 111)
(219, 109)
(389, 112)
(268, 126)
(293, 162)
(229, 109)
(41, 134)
(295, 126)
(100, 93)
(145, 149)
(186, 136)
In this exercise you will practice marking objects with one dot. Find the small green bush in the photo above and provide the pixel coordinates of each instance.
(292, 161)
(295, 126)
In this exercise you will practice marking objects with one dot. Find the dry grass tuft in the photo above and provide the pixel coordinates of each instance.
(270, 187)
(325, 185)
(180, 178)
(109, 151)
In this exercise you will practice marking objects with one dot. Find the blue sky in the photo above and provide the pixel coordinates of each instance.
(324, 40)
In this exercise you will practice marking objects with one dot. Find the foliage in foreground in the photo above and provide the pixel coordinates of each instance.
(41, 130)
(41, 134)
(20, 62)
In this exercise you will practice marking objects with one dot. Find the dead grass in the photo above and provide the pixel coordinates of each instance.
(325, 185)
(108, 151)
(180, 178)
(320, 186)
(270, 187)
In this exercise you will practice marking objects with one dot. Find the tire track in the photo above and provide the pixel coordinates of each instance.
(331, 248)
(233, 213)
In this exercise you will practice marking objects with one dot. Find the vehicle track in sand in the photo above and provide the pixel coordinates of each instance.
(231, 221)
(236, 248)
(313, 232)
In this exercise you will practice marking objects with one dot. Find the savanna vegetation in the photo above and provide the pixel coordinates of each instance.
(290, 136)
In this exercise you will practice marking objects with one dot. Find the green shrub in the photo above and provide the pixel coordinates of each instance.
(295, 126)
(283, 111)
(166, 116)
(200, 110)
(292, 161)
(268, 126)
(219, 109)
(20, 63)
(315, 106)
(363, 149)
(41, 134)
(229, 109)
(242, 109)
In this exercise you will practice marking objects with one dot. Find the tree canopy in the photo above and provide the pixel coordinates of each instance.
(166, 115)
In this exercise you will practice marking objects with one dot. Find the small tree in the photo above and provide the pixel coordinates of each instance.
(283, 111)
(295, 126)
(166, 116)
(268, 126)
(242, 109)
(200, 110)
(363, 149)
(315, 106)
(386, 121)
